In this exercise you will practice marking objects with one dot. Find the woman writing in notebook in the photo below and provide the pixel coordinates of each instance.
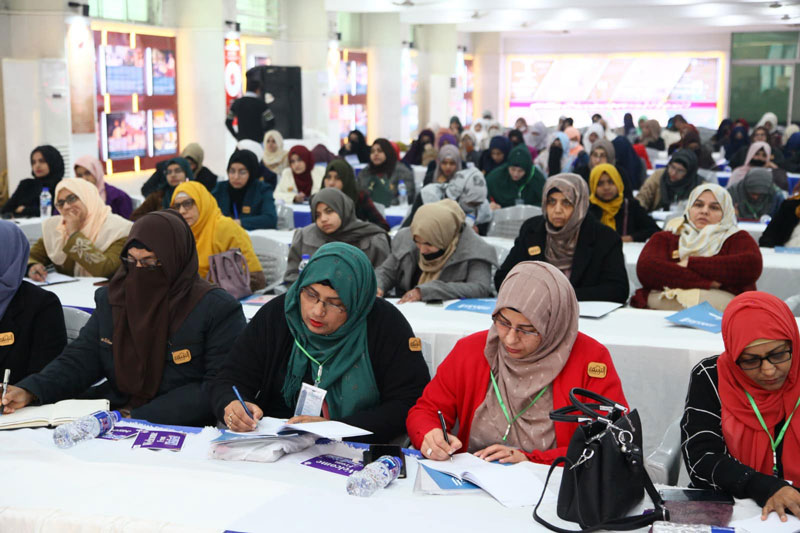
(500, 385)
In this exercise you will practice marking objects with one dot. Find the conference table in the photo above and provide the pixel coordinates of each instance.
(394, 214)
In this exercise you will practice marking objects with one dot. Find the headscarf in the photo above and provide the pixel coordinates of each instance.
(502, 188)
(627, 124)
(611, 207)
(739, 173)
(101, 226)
(389, 164)
(749, 317)
(95, 168)
(54, 162)
(446, 138)
(13, 262)
(194, 152)
(169, 189)
(500, 143)
(493, 129)
(654, 128)
(447, 151)
(516, 134)
(479, 135)
(608, 148)
(149, 305)
(558, 158)
(346, 366)
(790, 130)
(414, 154)
(248, 159)
(346, 175)
(359, 148)
(304, 181)
(322, 154)
(539, 136)
(598, 130)
(737, 141)
(627, 160)
(770, 117)
(272, 160)
(457, 120)
(438, 224)
(792, 145)
(706, 242)
(574, 136)
(673, 191)
(561, 242)
(757, 181)
(352, 231)
(545, 297)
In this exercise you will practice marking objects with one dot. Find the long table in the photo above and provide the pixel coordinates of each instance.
(394, 215)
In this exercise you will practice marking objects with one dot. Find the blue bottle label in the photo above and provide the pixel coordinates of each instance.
(106, 420)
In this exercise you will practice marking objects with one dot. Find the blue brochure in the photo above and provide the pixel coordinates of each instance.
(787, 250)
(475, 305)
(448, 482)
(702, 316)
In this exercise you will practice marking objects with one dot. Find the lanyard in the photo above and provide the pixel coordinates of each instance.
(505, 410)
(319, 365)
(773, 442)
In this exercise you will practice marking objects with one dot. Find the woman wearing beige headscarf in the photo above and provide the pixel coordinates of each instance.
(275, 157)
(85, 240)
(501, 384)
(438, 258)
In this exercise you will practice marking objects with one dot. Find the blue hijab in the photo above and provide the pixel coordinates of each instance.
(628, 160)
(792, 145)
(500, 142)
(736, 141)
(13, 262)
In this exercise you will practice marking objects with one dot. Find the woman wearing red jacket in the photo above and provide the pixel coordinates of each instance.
(700, 257)
(500, 385)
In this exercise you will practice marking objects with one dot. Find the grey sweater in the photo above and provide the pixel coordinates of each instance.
(467, 274)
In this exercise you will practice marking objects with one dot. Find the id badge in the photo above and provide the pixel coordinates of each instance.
(310, 400)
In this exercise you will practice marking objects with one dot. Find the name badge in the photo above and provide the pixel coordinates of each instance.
(7, 338)
(597, 370)
(181, 356)
(415, 344)
(245, 209)
(534, 250)
(310, 400)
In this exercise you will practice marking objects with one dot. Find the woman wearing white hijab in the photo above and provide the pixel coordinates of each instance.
(275, 157)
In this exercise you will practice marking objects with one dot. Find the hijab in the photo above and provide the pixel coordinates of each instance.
(748, 317)
(414, 154)
(359, 148)
(438, 224)
(757, 181)
(676, 190)
(608, 148)
(471, 136)
(792, 145)
(54, 162)
(500, 143)
(194, 152)
(273, 160)
(147, 306)
(347, 369)
(387, 167)
(770, 117)
(706, 242)
(346, 175)
(539, 136)
(626, 159)
(739, 173)
(738, 139)
(352, 231)
(627, 124)
(574, 137)
(598, 130)
(95, 168)
(502, 188)
(654, 128)
(321, 154)
(561, 242)
(516, 137)
(558, 158)
(13, 262)
(101, 226)
(304, 181)
(610, 208)
(545, 297)
(169, 189)
(250, 162)
(446, 138)
(447, 151)
(790, 130)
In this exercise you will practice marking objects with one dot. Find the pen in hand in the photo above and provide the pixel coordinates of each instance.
(444, 430)
(6, 377)
(241, 401)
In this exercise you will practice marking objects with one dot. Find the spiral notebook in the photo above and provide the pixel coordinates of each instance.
(53, 414)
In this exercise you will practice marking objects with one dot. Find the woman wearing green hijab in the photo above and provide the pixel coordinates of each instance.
(329, 329)
(516, 182)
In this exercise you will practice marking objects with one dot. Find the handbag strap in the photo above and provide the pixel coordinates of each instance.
(570, 413)
(601, 400)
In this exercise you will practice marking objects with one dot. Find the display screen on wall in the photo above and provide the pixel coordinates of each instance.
(658, 85)
(125, 134)
(165, 131)
(124, 70)
(163, 71)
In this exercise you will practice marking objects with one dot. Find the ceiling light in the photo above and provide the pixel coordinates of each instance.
(775, 5)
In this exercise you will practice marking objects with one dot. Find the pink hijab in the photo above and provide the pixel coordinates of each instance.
(95, 168)
(738, 174)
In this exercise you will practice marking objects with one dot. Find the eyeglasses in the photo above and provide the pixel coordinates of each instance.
(186, 204)
(69, 200)
(749, 361)
(503, 326)
(174, 171)
(242, 173)
(313, 298)
(675, 169)
(150, 263)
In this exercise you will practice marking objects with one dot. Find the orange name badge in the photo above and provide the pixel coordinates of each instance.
(7, 338)
(181, 356)
(415, 344)
(245, 209)
(597, 370)
(534, 250)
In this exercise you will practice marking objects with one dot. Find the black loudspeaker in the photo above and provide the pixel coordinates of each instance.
(283, 83)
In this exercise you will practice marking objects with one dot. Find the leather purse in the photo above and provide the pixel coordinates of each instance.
(229, 270)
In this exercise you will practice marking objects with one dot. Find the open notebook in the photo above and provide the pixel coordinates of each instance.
(53, 414)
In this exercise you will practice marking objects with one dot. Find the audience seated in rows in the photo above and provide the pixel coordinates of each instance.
(339, 175)
(515, 182)
(613, 208)
(301, 179)
(383, 174)
(244, 197)
(668, 187)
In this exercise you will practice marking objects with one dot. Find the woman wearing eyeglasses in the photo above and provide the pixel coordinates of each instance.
(738, 431)
(501, 384)
(670, 186)
(177, 170)
(243, 197)
(328, 330)
(157, 333)
(84, 240)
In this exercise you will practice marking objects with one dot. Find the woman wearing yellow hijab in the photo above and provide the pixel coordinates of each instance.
(619, 212)
(213, 232)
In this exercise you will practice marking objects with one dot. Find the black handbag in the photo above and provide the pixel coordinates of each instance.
(604, 475)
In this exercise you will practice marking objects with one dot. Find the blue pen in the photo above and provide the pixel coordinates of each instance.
(246, 410)
(236, 217)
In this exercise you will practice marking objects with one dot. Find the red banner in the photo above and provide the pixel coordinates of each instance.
(233, 71)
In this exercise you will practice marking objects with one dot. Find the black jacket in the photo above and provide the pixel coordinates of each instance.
(598, 267)
(208, 333)
(258, 361)
(782, 225)
(254, 118)
(631, 219)
(36, 319)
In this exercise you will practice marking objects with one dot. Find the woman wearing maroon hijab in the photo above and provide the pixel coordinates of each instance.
(301, 179)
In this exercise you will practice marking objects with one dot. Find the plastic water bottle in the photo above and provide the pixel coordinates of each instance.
(670, 527)
(402, 193)
(765, 219)
(374, 476)
(45, 203)
(86, 428)
(303, 262)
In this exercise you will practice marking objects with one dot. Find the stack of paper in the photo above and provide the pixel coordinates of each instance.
(276, 428)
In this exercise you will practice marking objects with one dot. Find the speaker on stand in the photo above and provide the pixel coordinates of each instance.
(283, 83)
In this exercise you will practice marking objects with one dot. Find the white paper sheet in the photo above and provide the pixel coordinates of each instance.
(772, 524)
(53, 278)
(597, 309)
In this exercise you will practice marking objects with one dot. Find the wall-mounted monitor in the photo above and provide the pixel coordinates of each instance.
(124, 70)
(124, 135)
(165, 131)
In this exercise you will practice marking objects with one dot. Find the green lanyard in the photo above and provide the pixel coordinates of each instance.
(319, 365)
(505, 410)
(774, 443)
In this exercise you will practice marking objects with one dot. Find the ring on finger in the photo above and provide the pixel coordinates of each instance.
(430, 451)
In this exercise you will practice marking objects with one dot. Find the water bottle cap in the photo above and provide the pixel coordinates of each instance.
(45, 189)
(304, 256)
(116, 416)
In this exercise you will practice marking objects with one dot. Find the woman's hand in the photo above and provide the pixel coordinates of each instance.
(380, 293)
(37, 272)
(299, 198)
(414, 295)
(684, 262)
(771, 164)
(236, 418)
(786, 499)
(19, 210)
(73, 220)
(238, 221)
(495, 206)
(304, 419)
(434, 446)
(499, 452)
(627, 238)
(16, 398)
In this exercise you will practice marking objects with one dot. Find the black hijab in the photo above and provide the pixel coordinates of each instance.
(250, 162)
(54, 162)
(516, 138)
(359, 148)
(414, 154)
(389, 164)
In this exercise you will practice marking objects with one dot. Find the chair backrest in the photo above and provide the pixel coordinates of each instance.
(285, 216)
(273, 257)
(136, 201)
(32, 231)
(794, 304)
(507, 221)
(664, 464)
(74, 320)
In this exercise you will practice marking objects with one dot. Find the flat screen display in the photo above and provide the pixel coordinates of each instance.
(163, 71)
(124, 70)
(165, 132)
(126, 135)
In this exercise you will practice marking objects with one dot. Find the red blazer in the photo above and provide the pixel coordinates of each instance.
(461, 382)
(737, 266)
